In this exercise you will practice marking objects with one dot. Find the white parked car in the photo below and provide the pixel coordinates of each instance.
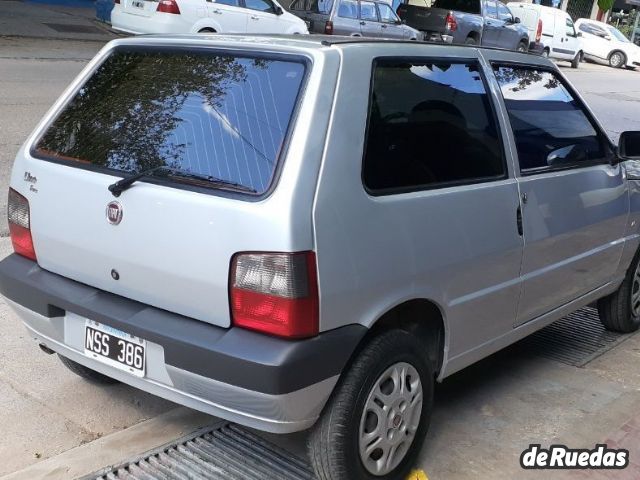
(606, 44)
(552, 27)
(198, 16)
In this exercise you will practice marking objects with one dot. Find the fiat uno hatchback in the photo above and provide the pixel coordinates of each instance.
(309, 232)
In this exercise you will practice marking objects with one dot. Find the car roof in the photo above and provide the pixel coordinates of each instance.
(318, 42)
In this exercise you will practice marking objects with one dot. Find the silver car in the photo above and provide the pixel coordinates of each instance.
(296, 233)
(355, 18)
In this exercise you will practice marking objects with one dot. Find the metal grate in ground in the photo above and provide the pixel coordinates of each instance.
(72, 28)
(574, 340)
(226, 452)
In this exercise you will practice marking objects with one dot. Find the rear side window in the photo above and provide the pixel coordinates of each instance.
(348, 9)
(551, 128)
(203, 113)
(430, 124)
(467, 6)
(368, 11)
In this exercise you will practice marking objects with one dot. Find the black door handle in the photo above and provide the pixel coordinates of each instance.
(519, 219)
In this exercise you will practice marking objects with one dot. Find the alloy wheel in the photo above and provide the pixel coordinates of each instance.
(390, 418)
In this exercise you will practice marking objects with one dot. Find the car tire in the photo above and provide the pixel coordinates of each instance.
(575, 63)
(470, 41)
(620, 311)
(522, 47)
(617, 59)
(207, 30)
(545, 53)
(351, 421)
(86, 372)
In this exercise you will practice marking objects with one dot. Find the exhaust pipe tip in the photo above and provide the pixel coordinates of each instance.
(46, 349)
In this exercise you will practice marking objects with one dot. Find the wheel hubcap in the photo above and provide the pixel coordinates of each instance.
(635, 293)
(616, 59)
(390, 418)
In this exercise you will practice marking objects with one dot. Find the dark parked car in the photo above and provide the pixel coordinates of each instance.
(353, 18)
(474, 22)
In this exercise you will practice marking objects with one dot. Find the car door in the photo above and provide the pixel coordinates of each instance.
(390, 24)
(492, 25)
(509, 37)
(229, 14)
(594, 40)
(571, 40)
(562, 47)
(574, 203)
(346, 19)
(369, 24)
(262, 17)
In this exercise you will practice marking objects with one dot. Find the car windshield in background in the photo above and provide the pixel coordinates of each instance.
(468, 6)
(618, 35)
(202, 113)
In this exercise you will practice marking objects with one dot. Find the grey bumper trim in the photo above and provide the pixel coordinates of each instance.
(233, 356)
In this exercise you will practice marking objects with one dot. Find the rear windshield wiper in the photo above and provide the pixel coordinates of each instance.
(121, 185)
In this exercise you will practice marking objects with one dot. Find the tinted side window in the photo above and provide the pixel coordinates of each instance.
(348, 9)
(550, 127)
(368, 11)
(260, 5)
(490, 9)
(430, 123)
(504, 13)
(386, 14)
(232, 3)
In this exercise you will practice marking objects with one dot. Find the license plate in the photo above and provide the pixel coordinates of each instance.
(115, 347)
(137, 4)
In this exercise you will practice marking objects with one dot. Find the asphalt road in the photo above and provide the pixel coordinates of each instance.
(45, 410)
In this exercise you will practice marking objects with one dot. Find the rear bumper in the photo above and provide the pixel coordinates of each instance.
(259, 381)
(437, 37)
(139, 24)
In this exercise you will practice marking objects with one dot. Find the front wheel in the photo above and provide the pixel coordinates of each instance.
(617, 59)
(620, 311)
(374, 424)
(470, 41)
(522, 47)
(575, 63)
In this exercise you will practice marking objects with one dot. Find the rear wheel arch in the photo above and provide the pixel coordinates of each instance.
(421, 317)
(475, 36)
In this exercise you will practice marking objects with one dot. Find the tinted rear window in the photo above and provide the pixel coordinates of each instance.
(204, 113)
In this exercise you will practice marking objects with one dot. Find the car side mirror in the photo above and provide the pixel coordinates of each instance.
(579, 34)
(629, 146)
(279, 11)
(517, 20)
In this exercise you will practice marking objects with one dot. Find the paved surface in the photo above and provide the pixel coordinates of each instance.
(485, 416)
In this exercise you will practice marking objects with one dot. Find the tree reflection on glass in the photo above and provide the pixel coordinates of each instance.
(126, 115)
(519, 79)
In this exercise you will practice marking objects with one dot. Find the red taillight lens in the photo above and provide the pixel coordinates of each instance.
(451, 23)
(168, 6)
(328, 28)
(539, 31)
(19, 219)
(275, 293)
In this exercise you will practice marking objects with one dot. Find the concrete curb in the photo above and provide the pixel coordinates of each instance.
(115, 448)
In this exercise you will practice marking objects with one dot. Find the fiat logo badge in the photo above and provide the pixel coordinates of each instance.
(114, 213)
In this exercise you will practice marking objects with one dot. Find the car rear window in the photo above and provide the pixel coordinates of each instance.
(467, 6)
(204, 113)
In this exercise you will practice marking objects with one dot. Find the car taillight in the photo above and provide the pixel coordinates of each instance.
(539, 31)
(275, 293)
(328, 28)
(451, 23)
(168, 6)
(19, 219)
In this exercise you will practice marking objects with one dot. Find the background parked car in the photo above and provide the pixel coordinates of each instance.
(473, 22)
(606, 44)
(552, 27)
(354, 18)
(194, 16)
